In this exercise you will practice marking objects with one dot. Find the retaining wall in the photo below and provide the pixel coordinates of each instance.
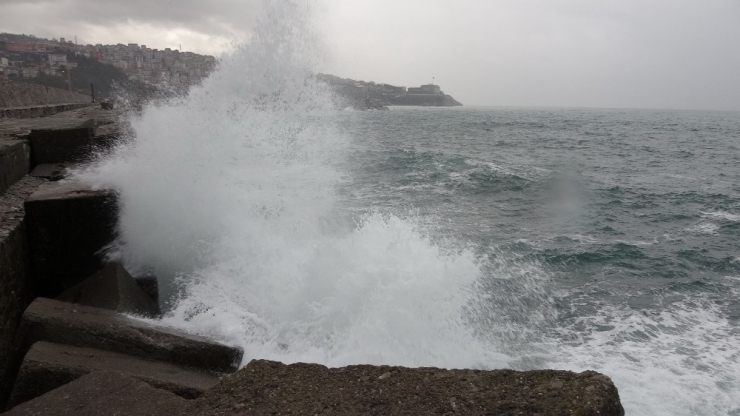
(20, 94)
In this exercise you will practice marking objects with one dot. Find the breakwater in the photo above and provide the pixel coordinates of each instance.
(65, 328)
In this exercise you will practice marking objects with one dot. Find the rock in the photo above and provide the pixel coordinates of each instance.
(70, 145)
(112, 288)
(68, 225)
(48, 366)
(266, 387)
(103, 393)
(85, 326)
(15, 162)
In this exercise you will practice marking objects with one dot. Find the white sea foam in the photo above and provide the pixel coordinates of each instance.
(683, 360)
(704, 227)
(722, 215)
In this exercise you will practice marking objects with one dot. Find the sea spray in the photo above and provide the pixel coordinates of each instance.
(228, 194)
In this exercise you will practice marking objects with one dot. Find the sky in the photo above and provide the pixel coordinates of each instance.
(681, 54)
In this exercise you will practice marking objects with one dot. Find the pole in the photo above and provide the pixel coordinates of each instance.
(92, 90)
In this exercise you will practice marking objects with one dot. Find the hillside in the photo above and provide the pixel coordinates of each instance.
(361, 94)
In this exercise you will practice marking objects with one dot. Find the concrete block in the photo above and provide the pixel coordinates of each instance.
(52, 171)
(112, 287)
(103, 393)
(48, 366)
(85, 326)
(266, 388)
(150, 285)
(68, 145)
(16, 283)
(68, 225)
(15, 162)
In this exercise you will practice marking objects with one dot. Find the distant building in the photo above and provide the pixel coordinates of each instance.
(57, 59)
(4, 62)
(425, 89)
(30, 72)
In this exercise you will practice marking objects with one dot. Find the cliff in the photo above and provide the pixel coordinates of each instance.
(369, 95)
(430, 100)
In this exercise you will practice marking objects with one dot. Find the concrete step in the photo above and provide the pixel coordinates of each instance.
(112, 288)
(85, 326)
(68, 226)
(48, 366)
(103, 393)
(15, 162)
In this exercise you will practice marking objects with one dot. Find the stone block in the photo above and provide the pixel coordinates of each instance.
(103, 393)
(85, 326)
(112, 287)
(48, 366)
(68, 226)
(266, 387)
(15, 162)
(69, 145)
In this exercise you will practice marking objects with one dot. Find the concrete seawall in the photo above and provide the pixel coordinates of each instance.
(15, 94)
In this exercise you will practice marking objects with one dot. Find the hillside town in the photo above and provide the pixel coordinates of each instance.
(27, 57)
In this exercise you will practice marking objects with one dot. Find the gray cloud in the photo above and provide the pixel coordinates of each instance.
(625, 53)
(612, 53)
(138, 21)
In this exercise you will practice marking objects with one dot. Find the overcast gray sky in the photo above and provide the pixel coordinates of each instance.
(584, 53)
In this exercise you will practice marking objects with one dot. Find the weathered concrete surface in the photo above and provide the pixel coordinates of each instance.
(103, 393)
(16, 284)
(266, 387)
(112, 288)
(39, 110)
(67, 145)
(85, 326)
(48, 366)
(68, 224)
(106, 122)
(15, 162)
(52, 171)
(21, 94)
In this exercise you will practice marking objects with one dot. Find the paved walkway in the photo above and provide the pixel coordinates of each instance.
(20, 127)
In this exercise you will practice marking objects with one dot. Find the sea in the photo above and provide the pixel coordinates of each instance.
(466, 237)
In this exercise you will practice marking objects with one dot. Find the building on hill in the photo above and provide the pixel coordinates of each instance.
(139, 62)
(425, 89)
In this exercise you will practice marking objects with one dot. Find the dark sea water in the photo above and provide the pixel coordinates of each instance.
(610, 238)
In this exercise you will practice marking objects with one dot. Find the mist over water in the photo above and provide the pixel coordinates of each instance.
(485, 238)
